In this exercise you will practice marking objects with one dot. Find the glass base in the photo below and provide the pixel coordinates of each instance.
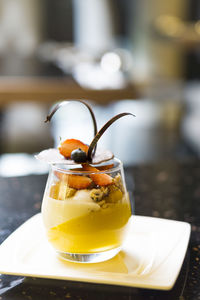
(89, 257)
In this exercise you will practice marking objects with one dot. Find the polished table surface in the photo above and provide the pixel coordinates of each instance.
(167, 190)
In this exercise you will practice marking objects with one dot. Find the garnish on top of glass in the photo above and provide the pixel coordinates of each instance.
(86, 207)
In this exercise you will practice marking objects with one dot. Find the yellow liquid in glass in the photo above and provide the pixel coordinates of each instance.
(94, 232)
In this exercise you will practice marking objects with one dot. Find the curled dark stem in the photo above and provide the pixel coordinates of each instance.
(92, 147)
(48, 118)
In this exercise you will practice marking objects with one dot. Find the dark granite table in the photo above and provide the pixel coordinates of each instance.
(167, 190)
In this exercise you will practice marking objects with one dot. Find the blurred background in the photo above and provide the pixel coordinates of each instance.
(119, 55)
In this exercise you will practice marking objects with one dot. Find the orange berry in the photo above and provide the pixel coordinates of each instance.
(74, 181)
(78, 182)
(99, 179)
(69, 145)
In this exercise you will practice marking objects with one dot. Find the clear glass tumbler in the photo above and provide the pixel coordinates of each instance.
(86, 210)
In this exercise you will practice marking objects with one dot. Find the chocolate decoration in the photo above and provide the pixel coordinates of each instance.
(91, 150)
(65, 102)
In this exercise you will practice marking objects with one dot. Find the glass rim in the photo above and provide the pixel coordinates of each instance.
(118, 167)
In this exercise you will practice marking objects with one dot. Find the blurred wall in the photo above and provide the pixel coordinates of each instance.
(167, 53)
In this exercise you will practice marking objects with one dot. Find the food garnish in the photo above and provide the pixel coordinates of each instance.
(93, 144)
(76, 181)
(73, 151)
(72, 148)
(101, 179)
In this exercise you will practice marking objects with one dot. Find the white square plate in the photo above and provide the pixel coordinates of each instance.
(152, 255)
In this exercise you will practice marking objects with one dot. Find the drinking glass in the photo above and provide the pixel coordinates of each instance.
(86, 219)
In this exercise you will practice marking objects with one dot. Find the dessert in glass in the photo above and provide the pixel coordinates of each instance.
(86, 207)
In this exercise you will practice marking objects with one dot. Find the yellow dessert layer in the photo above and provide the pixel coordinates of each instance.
(56, 212)
(96, 231)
